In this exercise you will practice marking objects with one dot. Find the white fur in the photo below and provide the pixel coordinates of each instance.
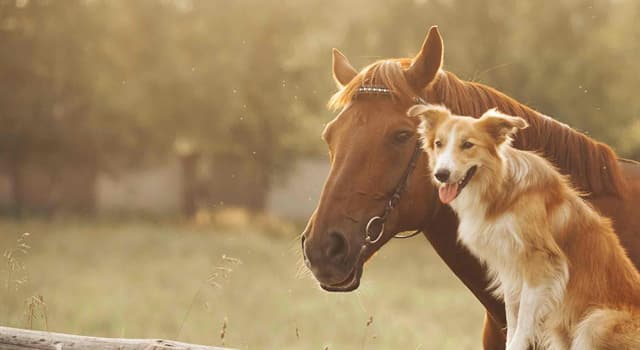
(496, 242)
(592, 329)
(518, 216)
(446, 159)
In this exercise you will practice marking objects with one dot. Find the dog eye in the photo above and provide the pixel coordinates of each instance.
(402, 136)
(438, 143)
(467, 145)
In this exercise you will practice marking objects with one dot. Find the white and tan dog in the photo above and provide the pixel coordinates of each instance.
(565, 279)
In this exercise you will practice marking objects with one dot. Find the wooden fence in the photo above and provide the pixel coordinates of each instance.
(22, 339)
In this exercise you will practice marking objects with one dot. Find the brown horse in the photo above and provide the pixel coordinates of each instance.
(371, 143)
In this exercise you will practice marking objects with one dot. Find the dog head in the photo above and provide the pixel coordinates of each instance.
(461, 148)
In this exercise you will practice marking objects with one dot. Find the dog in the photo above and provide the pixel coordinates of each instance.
(559, 267)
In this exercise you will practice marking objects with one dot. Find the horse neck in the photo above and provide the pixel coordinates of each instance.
(592, 165)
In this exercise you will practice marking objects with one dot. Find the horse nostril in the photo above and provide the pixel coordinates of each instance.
(442, 175)
(337, 246)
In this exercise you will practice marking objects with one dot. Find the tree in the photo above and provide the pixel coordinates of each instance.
(102, 86)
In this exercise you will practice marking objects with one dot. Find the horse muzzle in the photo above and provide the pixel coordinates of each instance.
(334, 262)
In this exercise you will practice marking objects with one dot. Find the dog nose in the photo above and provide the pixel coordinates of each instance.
(442, 175)
(336, 247)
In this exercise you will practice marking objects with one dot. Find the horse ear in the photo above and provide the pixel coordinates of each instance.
(431, 116)
(428, 62)
(501, 126)
(343, 71)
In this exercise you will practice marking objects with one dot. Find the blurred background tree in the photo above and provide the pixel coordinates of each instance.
(92, 86)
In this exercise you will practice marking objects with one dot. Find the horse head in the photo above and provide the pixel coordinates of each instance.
(371, 145)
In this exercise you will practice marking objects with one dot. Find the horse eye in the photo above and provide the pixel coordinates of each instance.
(402, 136)
(438, 143)
(467, 145)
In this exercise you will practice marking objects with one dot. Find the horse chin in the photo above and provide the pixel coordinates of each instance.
(351, 283)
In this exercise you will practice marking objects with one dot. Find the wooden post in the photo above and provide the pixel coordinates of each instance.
(23, 339)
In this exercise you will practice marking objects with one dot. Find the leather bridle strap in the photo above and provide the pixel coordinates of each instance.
(393, 201)
(435, 206)
(380, 220)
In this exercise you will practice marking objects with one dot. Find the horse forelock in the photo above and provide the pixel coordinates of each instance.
(387, 73)
(592, 165)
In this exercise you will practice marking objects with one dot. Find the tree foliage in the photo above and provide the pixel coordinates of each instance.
(109, 84)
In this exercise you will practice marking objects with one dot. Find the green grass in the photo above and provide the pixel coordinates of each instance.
(167, 280)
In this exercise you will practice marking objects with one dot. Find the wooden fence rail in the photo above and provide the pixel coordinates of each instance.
(22, 339)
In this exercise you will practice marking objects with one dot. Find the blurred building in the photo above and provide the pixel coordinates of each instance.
(158, 190)
(297, 198)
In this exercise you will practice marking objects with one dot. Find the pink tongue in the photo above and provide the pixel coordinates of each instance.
(448, 192)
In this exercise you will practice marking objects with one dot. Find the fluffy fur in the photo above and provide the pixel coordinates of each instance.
(564, 277)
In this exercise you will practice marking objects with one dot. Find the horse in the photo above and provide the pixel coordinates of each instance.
(372, 192)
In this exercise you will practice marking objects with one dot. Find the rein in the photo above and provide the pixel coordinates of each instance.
(371, 237)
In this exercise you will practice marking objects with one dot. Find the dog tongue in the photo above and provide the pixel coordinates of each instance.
(448, 192)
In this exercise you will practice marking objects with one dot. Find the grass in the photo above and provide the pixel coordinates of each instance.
(241, 289)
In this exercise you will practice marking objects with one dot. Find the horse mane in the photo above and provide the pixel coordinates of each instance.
(592, 165)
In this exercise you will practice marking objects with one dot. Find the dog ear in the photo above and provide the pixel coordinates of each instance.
(430, 115)
(501, 126)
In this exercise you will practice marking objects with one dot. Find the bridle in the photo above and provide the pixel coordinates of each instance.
(393, 201)
(371, 238)
(380, 220)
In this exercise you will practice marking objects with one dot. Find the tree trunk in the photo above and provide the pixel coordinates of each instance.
(258, 193)
(16, 178)
(189, 183)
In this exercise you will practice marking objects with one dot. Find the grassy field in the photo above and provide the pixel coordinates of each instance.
(168, 280)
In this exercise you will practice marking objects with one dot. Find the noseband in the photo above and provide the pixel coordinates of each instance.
(379, 220)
